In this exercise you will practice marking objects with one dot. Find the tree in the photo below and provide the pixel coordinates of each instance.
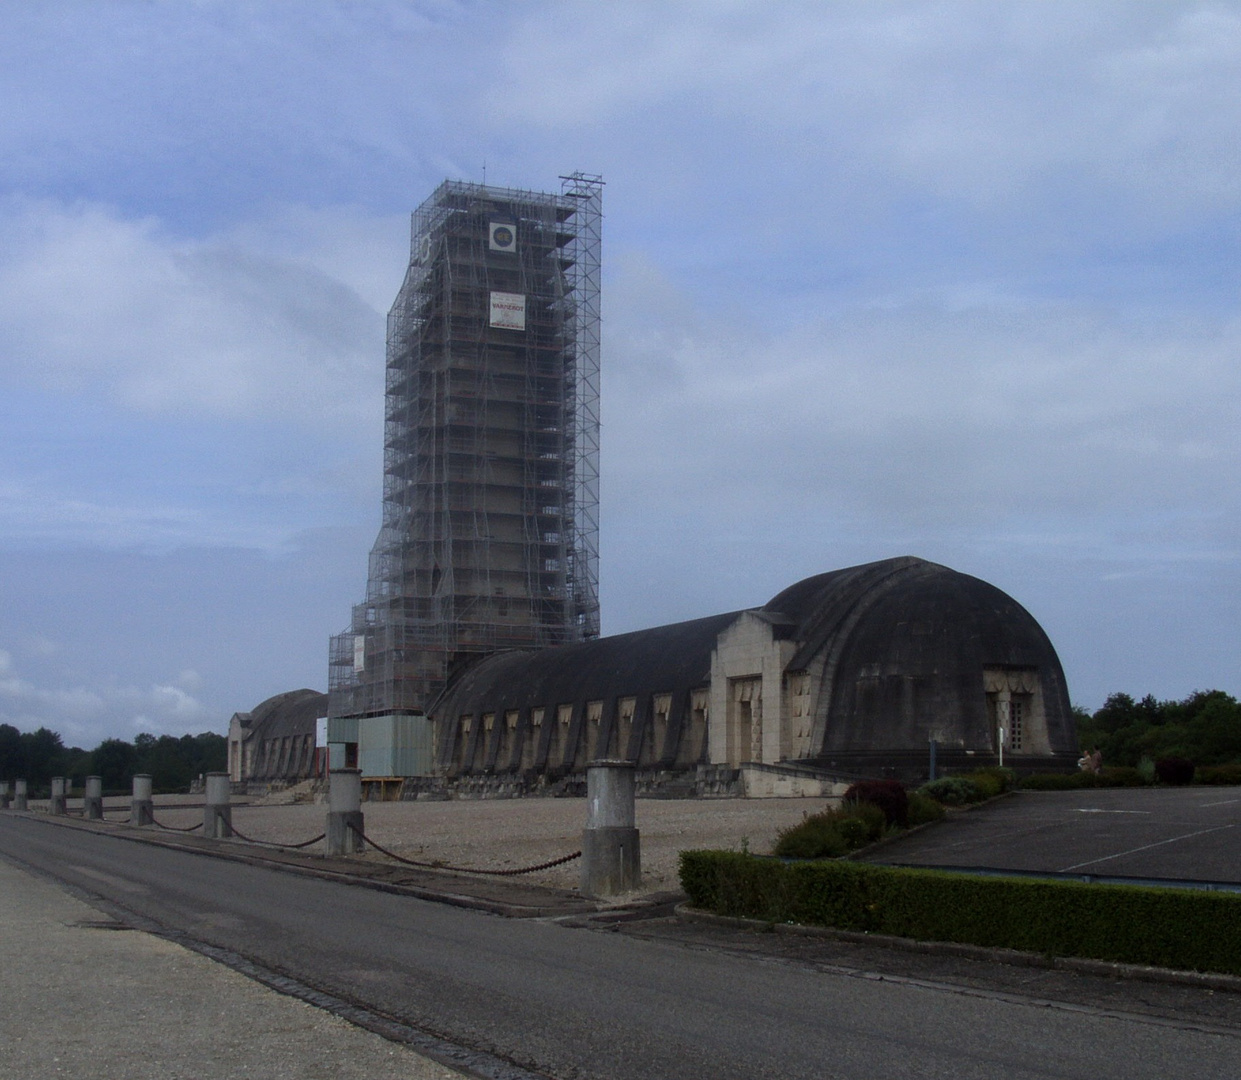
(12, 760)
(173, 763)
(44, 755)
(1205, 728)
(113, 762)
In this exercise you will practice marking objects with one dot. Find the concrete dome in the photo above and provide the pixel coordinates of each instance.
(907, 650)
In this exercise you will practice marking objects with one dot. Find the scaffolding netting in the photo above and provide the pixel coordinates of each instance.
(490, 528)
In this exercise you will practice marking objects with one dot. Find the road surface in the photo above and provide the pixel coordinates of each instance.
(564, 1002)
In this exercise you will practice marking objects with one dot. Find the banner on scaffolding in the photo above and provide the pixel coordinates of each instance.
(508, 310)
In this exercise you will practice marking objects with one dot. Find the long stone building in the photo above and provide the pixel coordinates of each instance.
(848, 673)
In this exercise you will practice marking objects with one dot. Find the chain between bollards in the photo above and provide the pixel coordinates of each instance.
(272, 843)
(463, 869)
(176, 828)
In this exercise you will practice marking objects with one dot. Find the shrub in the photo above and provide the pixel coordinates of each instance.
(1218, 774)
(1181, 928)
(1120, 776)
(952, 791)
(988, 785)
(815, 837)
(1109, 777)
(861, 823)
(994, 780)
(888, 795)
(1174, 770)
(1146, 769)
(1059, 781)
(923, 809)
(832, 833)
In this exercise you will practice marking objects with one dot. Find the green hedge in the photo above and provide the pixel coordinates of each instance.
(1176, 928)
(1109, 777)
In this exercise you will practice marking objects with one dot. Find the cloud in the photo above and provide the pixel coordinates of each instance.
(93, 303)
(78, 713)
(169, 641)
(156, 391)
(1039, 423)
(1088, 122)
(205, 108)
(365, 251)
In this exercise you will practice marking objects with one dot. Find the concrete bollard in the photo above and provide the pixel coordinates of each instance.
(92, 802)
(19, 796)
(56, 805)
(611, 855)
(142, 808)
(344, 808)
(217, 813)
(5, 797)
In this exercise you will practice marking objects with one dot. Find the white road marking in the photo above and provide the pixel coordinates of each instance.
(1145, 847)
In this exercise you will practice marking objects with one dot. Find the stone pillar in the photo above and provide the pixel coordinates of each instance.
(217, 813)
(92, 804)
(57, 803)
(611, 858)
(19, 796)
(344, 808)
(142, 808)
(5, 797)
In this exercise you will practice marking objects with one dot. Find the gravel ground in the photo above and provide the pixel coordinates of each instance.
(84, 998)
(496, 834)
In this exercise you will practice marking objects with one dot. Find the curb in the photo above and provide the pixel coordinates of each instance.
(1014, 957)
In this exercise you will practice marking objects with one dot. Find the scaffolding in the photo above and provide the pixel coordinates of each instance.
(489, 538)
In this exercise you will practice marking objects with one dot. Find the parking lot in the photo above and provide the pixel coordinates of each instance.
(1191, 834)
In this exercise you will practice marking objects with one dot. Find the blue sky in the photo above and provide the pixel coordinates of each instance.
(957, 280)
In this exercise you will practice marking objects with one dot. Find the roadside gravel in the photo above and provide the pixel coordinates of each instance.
(83, 997)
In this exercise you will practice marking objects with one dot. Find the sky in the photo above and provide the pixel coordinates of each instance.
(950, 279)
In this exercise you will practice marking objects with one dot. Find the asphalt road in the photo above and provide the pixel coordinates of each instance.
(1190, 833)
(570, 1003)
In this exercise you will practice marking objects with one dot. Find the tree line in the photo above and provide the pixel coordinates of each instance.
(172, 763)
(1204, 728)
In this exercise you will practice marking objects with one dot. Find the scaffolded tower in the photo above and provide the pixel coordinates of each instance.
(491, 446)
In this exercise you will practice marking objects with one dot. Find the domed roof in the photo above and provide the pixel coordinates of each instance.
(292, 713)
(903, 646)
